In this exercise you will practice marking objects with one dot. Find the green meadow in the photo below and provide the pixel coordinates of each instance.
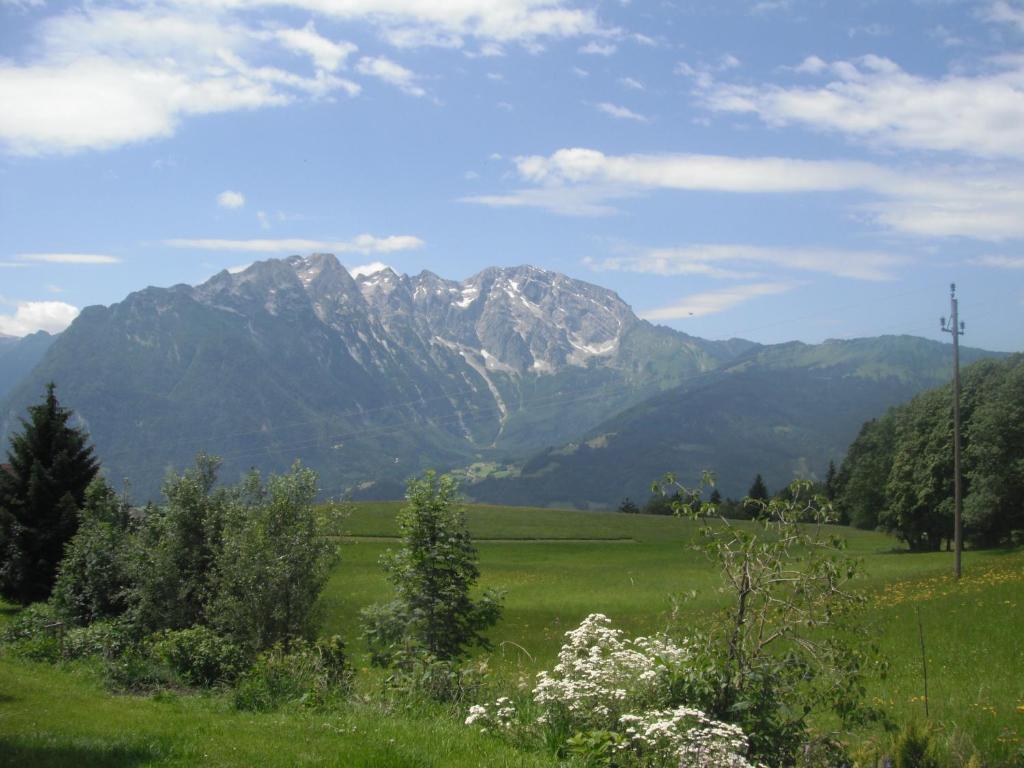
(556, 567)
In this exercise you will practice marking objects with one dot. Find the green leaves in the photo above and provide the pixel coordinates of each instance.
(433, 575)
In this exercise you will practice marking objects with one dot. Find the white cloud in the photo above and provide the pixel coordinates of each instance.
(812, 65)
(368, 269)
(965, 201)
(68, 258)
(32, 316)
(621, 113)
(392, 73)
(263, 219)
(873, 99)
(712, 302)
(448, 23)
(1005, 12)
(580, 72)
(101, 77)
(1000, 262)
(230, 199)
(326, 54)
(360, 244)
(595, 48)
(717, 260)
(631, 83)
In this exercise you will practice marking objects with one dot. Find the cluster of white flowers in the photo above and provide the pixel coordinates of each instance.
(500, 715)
(685, 737)
(600, 674)
(602, 679)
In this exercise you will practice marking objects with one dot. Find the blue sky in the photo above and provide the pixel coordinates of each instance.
(772, 169)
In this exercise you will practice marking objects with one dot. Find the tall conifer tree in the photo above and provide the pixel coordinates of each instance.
(41, 492)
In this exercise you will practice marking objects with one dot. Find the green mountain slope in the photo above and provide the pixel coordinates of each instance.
(782, 411)
(18, 356)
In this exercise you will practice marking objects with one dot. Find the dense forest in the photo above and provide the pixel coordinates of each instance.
(898, 473)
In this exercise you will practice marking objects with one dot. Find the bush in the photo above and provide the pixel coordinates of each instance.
(613, 701)
(384, 627)
(199, 656)
(307, 674)
(35, 633)
(275, 558)
(92, 579)
(914, 748)
(417, 674)
(137, 671)
(103, 639)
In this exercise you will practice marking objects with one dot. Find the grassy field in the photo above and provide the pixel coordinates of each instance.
(556, 567)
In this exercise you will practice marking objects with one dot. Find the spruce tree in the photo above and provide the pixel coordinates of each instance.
(41, 493)
(758, 490)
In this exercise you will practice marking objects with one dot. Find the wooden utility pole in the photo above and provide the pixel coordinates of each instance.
(956, 327)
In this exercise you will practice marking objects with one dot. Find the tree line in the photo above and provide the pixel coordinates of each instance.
(898, 473)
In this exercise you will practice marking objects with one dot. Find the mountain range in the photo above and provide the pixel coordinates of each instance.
(545, 389)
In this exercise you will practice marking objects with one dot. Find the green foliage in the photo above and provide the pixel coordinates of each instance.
(416, 674)
(93, 578)
(789, 644)
(861, 481)
(758, 490)
(898, 473)
(136, 670)
(51, 465)
(274, 560)
(629, 507)
(595, 749)
(920, 486)
(35, 633)
(384, 629)
(247, 561)
(433, 574)
(199, 656)
(102, 639)
(307, 674)
(994, 508)
(174, 554)
(914, 749)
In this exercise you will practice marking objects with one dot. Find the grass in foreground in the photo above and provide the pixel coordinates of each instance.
(557, 567)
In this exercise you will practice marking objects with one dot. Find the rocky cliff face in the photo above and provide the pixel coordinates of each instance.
(364, 378)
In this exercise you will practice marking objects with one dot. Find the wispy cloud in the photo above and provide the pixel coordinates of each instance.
(68, 258)
(944, 202)
(720, 260)
(32, 316)
(631, 83)
(392, 73)
(328, 55)
(619, 112)
(596, 48)
(1000, 262)
(1005, 12)
(360, 244)
(874, 100)
(712, 302)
